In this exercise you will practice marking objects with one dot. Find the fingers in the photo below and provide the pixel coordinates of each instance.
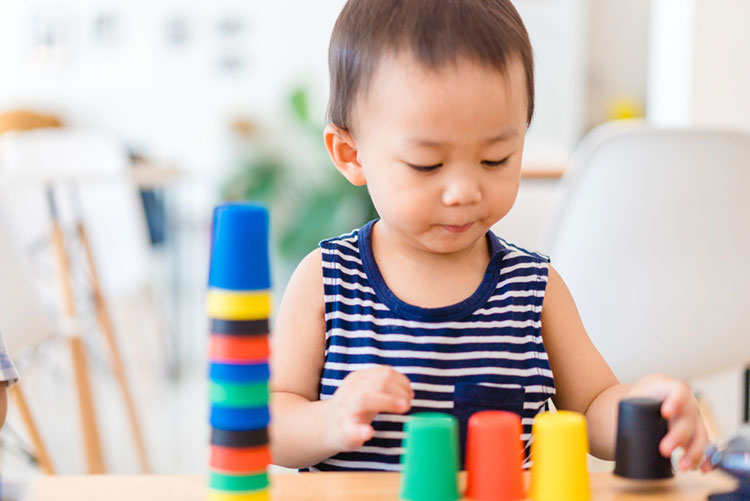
(398, 390)
(676, 400)
(694, 449)
(686, 428)
(380, 379)
(362, 409)
(388, 380)
(692, 437)
(363, 395)
(679, 434)
(370, 404)
(706, 466)
(355, 434)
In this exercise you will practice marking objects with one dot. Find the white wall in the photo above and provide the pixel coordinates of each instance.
(617, 56)
(700, 64)
(721, 69)
(670, 82)
(173, 102)
(558, 36)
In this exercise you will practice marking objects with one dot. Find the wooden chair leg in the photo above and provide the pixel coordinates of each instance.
(105, 321)
(40, 450)
(94, 458)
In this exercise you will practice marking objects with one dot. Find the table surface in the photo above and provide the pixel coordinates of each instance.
(339, 487)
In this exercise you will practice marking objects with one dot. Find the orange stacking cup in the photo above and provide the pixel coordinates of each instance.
(494, 456)
(223, 348)
(239, 459)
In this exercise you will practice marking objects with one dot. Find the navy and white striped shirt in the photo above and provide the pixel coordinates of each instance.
(483, 353)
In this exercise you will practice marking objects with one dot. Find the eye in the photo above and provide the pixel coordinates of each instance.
(425, 168)
(495, 163)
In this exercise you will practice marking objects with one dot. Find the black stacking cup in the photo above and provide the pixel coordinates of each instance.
(640, 428)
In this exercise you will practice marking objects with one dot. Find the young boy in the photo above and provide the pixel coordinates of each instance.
(425, 309)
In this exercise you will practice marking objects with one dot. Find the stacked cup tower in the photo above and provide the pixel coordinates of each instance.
(239, 307)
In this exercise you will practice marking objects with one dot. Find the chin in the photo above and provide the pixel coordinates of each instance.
(459, 243)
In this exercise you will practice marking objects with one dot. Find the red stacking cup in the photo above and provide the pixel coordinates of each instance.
(494, 456)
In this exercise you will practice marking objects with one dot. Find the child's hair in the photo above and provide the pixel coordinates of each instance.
(435, 32)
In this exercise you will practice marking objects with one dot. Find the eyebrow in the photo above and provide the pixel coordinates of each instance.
(421, 141)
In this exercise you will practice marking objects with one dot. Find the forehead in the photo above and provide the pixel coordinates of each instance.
(462, 97)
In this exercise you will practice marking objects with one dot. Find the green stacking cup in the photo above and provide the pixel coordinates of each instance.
(430, 464)
(239, 394)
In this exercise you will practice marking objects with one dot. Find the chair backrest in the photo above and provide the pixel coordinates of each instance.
(96, 163)
(23, 319)
(652, 235)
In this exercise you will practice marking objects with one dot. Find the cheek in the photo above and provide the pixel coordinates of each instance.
(506, 195)
(399, 197)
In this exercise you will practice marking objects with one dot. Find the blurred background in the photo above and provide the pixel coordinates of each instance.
(137, 118)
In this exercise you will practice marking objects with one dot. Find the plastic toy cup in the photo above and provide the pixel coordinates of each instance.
(640, 428)
(239, 248)
(494, 456)
(430, 464)
(558, 455)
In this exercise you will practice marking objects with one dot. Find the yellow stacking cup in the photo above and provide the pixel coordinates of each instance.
(558, 455)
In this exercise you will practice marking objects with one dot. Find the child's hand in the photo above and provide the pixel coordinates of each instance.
(679, 408)
(361, 396)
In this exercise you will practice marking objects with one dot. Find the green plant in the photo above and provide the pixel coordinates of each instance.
(304, 209)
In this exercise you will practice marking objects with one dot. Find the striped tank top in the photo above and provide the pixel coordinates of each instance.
(484, 353)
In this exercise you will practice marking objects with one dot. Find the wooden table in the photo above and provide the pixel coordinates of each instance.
(336, 487)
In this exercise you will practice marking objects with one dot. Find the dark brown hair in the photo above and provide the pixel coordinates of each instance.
(435, 32)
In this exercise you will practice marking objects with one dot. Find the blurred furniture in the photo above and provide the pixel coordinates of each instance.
(26, 120)
(341, 487)
(42, 167)
(23, 323)
(542, 171)
(651, 233)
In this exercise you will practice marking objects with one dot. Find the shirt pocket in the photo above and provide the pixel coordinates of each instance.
(472, 397)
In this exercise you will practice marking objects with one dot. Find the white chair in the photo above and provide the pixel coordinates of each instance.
(96, 165)
(23, 323)
(651, 233)
(113, 238)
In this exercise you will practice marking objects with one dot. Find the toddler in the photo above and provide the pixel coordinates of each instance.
(425, 309)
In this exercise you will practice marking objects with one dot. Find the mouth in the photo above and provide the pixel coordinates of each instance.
(456, 228)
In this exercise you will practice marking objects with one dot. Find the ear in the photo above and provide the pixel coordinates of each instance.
(343, 151)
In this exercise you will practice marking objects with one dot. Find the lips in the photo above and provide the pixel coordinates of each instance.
(457, 228)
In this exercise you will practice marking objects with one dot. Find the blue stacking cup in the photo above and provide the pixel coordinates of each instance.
(238, 373)
(239, 248)
(239, 418)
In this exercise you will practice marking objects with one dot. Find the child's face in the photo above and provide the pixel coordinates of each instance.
(440, 152)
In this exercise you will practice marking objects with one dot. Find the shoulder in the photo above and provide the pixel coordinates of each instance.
(347, 242)
(307, 275)
(556, 288)
(298, 334)
(306, 282)
(302, 308)
(559, 306)
(512, 250)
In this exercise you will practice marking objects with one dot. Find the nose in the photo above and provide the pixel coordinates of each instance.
(461, 189)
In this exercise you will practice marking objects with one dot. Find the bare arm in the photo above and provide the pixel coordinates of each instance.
(305, 430)
(298, 428)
